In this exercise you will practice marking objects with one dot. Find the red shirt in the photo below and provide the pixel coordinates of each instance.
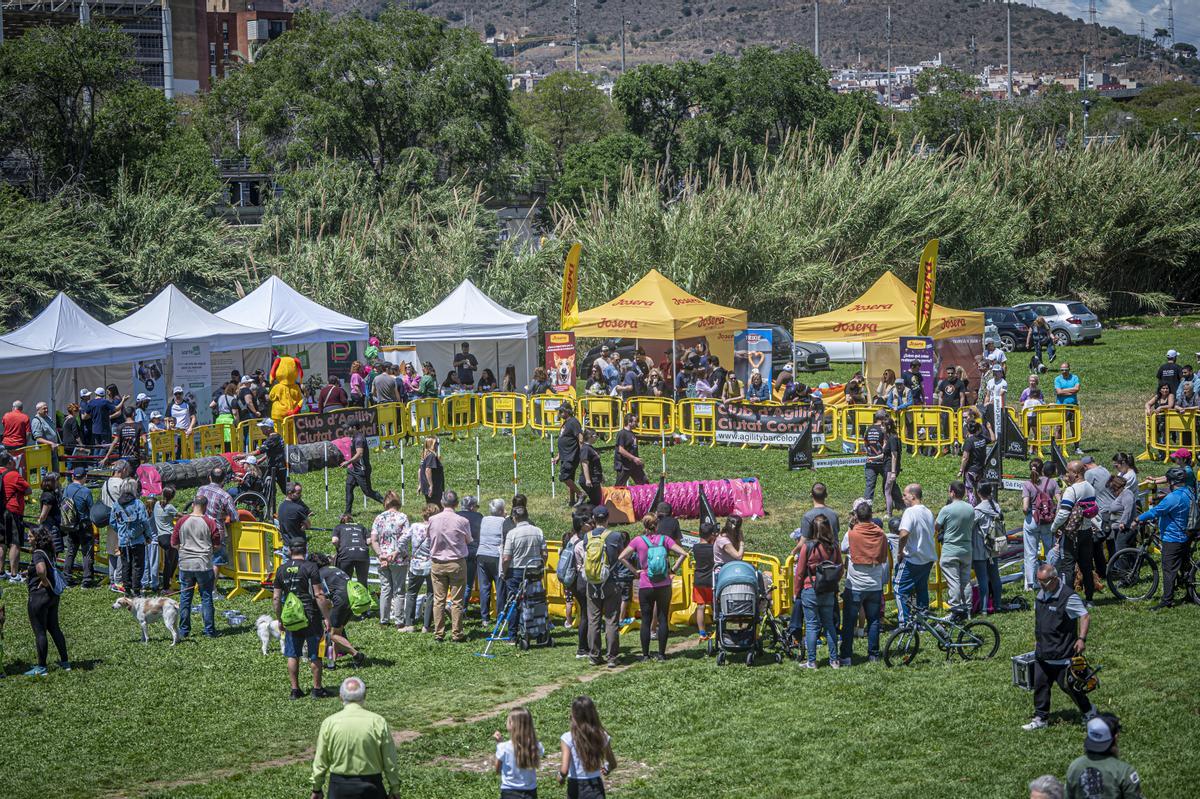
(16, 429)
(15, 487)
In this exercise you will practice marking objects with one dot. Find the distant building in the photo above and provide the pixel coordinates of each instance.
(237, 28)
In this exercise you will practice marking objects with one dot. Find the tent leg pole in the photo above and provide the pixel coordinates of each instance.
(325, 460)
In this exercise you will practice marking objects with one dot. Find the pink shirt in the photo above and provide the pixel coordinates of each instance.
(357, 384)
(449, 535)
(642, 551)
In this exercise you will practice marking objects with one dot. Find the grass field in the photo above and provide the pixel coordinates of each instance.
(210, 718)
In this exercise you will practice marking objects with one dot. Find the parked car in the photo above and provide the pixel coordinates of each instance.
(1071, 322)
(810, 356)
(627, 347)
(844, 351)
(1012, 325)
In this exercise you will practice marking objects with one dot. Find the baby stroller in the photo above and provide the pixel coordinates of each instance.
(533, 626)
(743, 619)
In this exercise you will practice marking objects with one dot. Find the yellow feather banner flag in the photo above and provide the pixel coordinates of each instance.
(570, 288)
(926, 284)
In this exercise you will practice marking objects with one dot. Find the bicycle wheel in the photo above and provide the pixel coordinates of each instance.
(252, 501)
(1193, 590)
(978, 640)
(902, 647)
(1132, 575)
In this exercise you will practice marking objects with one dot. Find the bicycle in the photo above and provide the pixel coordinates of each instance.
(974, 640)
(1132, 572)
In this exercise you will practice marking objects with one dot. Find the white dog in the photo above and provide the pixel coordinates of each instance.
(147, 609)
(268, 628)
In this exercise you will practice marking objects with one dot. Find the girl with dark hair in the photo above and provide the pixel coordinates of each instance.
(50, 515)
(1039, 501)
(729, 545)
(587, 754)
(819, 609)
(43, 602)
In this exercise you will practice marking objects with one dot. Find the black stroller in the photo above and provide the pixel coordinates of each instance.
(744, 624)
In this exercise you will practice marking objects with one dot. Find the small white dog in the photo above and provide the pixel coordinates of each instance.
(268, 628)
(147, 609)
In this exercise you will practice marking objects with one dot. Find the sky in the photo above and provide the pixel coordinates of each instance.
(1126, 14)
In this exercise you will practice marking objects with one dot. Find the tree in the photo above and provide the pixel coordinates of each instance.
(370, 91)
(567, 109)
(656, 99)
(948, 109)
(590, 169)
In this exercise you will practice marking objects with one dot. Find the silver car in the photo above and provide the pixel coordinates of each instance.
(1071, 322)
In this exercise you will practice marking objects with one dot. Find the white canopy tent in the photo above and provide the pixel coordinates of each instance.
(498, 337)
(69, 340)
(172, 317)
(292, 318)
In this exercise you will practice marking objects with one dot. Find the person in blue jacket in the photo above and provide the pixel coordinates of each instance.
(1171, 515)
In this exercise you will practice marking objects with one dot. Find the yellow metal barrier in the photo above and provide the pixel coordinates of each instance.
(252, 560)
(207, 440)
(780, 585)
(503, 411)
(423, 417)
(543, 413)
(1060, 423)
(855, 419)
(460, 412)
(1167, 431)
(247, 436)
(602, 414)
(37, 462)
(928, 426)
(390, 416)
(164, 444)
(697, 419)
(655, 415)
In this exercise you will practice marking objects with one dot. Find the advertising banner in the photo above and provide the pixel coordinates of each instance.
(917, 356)
(331, 426)
(748, 423)
(800, 454)
(569, 313)
(339, 355)
(752, 350)
(148, 379)
(560, 361)
(926, 284)
(192, 369)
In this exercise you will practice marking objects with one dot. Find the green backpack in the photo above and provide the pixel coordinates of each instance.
(293, 618)
(361, 601)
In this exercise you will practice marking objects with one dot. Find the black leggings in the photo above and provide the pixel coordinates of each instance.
(170, 560)
(1078, 553)
(654, 601)
(133, 559)
(43, 617)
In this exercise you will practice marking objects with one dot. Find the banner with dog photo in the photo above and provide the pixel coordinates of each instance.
(560, 361)
(752, 351)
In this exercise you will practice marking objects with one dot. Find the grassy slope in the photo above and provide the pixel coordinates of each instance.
(135, 714)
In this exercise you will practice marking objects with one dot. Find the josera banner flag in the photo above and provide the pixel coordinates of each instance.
(560, 360)
(570, 288)
(926, 284)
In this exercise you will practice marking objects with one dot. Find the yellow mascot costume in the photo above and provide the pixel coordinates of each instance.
(286, 396)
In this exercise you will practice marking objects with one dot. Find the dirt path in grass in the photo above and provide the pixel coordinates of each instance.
(399, 736)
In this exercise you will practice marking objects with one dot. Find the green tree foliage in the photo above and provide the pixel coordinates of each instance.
(949, 110)
(370, 92)
(597, 168)
(566, 109)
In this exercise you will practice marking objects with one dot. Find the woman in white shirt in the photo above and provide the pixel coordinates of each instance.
(419, 567)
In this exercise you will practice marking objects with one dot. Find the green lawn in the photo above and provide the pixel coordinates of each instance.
(211, 718)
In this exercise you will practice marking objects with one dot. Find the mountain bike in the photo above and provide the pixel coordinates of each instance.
(971, 640)
(1132, 572)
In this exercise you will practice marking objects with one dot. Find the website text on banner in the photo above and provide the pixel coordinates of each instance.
(748, 423)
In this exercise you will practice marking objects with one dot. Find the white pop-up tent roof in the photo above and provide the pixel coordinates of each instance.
(497, 336)
(70, 337)
(15, 359)
(172, 317)
(292, 318)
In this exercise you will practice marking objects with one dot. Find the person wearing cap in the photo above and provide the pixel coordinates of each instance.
(141, 412)
(157, 423)
(1099, 773)
(273, 450)
(1170, 372)
(1061, 623)
(249, 480)
(992, 354)
(604, 597)
(182, 411)
(1171, 516)
(757, 389)
(1182, 458)
(246, 403)
(85, 425)
(570, 446)
(101, 411)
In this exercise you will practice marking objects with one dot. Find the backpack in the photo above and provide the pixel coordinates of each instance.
(360, 598)
(656, 560)
(1193, 519)
(1043, 510)
(293, 618)
(68, 513)
(986, 525)
(595, 565)
(566, 571)
(825, 575)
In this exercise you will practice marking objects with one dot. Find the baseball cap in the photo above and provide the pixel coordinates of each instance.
(85, 392)
(266, 423)
(997, 367)
(754, 372)
(1099, 736)
(78, 472)
(251, 460)
(1182, 452)
(99, 390)
(1172, 353)
(600, 512)
(664, 508)
(1087, 460)
(155, 415)
(142, 397)
(247, 379)
(177, 390)
(787, 367)
(604, 348)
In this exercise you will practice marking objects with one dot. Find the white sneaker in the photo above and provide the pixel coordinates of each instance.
(1036, 724)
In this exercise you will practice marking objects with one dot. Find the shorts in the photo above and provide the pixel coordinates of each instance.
(339, 613)
(702, 595)
(566, 471)
(14, 529)
(295, 642)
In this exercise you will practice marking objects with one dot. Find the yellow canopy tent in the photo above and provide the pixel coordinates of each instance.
(884, 313)
(654, 308)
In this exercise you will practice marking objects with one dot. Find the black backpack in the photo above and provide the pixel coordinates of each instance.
(825, 575)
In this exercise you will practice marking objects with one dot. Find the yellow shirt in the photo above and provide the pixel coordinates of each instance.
(355, 742)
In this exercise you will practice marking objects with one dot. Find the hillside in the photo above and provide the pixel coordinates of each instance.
(852, 31)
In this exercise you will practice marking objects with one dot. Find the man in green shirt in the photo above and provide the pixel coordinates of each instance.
(1098, 773)
(355, 751)
(954, 525)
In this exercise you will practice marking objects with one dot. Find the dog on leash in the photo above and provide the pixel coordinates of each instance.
(269, 628)
(147, 609)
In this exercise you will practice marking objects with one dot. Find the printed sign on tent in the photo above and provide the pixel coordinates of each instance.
(224, 364)
(339, 356)
(917, 356)
(192, 370)
(560, 361)
(748, 423)
(148, 379)
(752, 350)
